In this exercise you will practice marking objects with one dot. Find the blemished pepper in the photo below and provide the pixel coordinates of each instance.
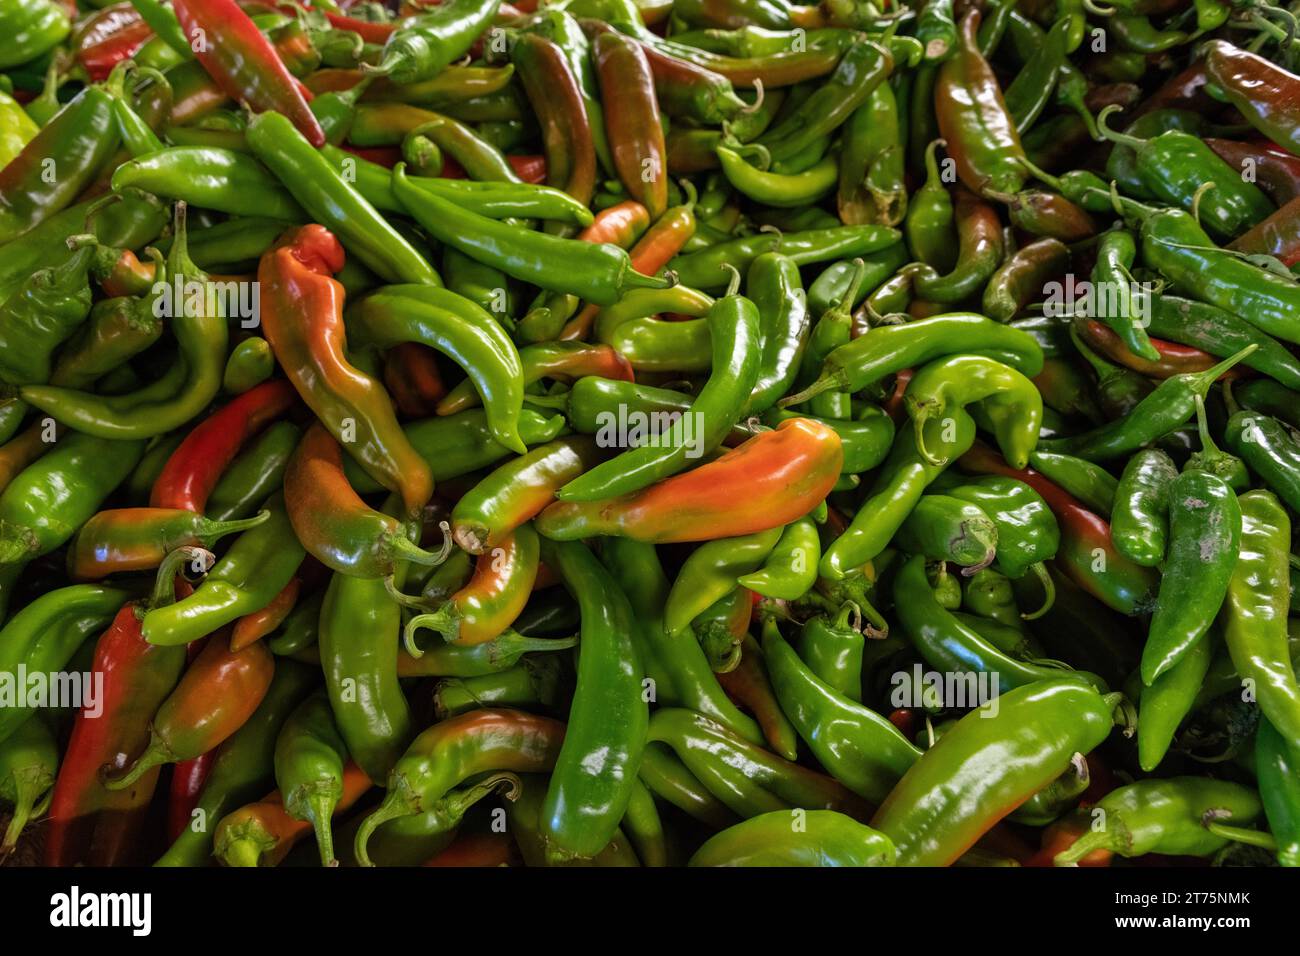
(310, 757)
(785, 473)
(492, 599)
(243, 766)
(857, 746)
(218, 692)
(496, 742)
(1255, 611)
(250, 574)
(797, 838)
(994, 759)
(1204, 536)
(1171, 816)
(748, 779)
(944, 528)
(1139, 522)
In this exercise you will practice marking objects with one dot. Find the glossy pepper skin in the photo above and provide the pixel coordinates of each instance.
(857, 746)
(310, 757)
(974, 120)
(748, 779)
(823, 838)
(1261, 90)
(635, 133)
(988, 764)
(1204, 536)
(420, 48)
(135, 539)
(785, 472)
(1276, 771)
(1139, 523)
(244, 63)
(302, 318)
(40, 316)
(733, 324)
(1166, 816)
(242, 767)
(1255, 611)
(217, 693)
(1268, 447)
(332, 521)
(499, 742)
(710, 573)
(491, 600)
(454, 325)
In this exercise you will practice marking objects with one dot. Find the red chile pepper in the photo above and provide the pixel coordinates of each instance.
(1274, 170)
(368, 30)
(137, 539)
(215, 696)
(188, 778)
(196, 465)
(636, 134)
(1086, 554)
(556, 97)
(109, 36)
(88, 824)
(244, 63)
(302, 317)
(1175, 359)
(1278, 235)
(333, 523)
(496, 594)
(782, 474)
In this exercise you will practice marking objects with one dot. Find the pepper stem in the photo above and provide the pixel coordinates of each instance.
(836, 380)
(1123, 139)
(401, 597)
(27, 804)
(155, 755)
(242, 851)
(849, 617)
(845, 305)
(1123, 713)
(322, 810)
(1093, 840)
(1049, 591)
(1201, 381)
(403, 549)
(215, 530)
(164, 587)
(1230, 400)
(1257, 838)
(442, 620)
(734, 285)
(398, 803)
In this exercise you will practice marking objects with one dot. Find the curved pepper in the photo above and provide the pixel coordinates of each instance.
(784, 474)
(822, 838)
(302, 317)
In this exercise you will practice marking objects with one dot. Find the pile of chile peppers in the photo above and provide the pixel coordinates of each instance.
(717, 434)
